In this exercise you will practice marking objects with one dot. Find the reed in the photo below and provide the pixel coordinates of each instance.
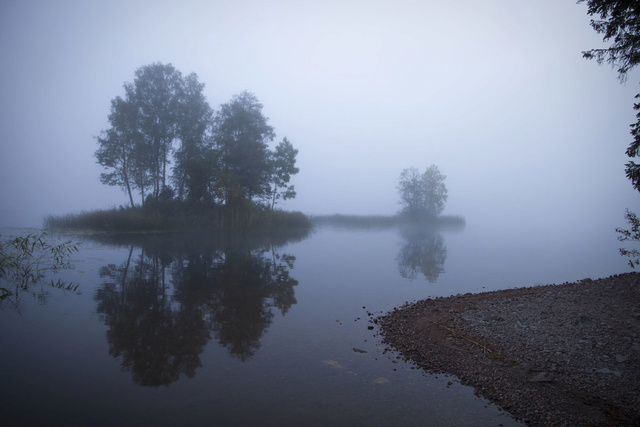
(180, 218)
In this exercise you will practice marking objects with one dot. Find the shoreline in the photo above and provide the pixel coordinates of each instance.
(550, 355)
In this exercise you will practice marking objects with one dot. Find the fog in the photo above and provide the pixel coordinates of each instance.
(495, 93)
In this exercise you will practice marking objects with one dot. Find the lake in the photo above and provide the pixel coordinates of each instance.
(233, 329)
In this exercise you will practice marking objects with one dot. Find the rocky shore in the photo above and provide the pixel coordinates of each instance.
(555, 355)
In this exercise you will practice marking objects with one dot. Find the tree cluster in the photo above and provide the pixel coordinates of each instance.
(165, 142)
(422, 195)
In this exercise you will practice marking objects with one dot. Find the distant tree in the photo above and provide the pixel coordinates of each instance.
(620, 23)
(411, 190)
(283, 165)
(422, 195)
(241, 137)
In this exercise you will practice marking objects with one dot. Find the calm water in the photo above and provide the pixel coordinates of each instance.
(251, 330)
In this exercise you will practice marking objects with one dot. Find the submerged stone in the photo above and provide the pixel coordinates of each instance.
(333, 364)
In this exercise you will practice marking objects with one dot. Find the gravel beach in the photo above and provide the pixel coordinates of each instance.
(554, 355)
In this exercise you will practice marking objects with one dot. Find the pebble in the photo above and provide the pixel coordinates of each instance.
(585, 324)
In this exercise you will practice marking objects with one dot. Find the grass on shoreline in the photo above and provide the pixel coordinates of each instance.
(151, 220)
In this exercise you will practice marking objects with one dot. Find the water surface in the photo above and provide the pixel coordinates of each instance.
(238, 329)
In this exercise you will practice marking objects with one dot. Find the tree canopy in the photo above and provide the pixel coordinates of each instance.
(422, 194)
(241, 136)
(222, 157)
(620, 23)
(283, 163)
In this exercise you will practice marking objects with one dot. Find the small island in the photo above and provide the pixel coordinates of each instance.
(190, 169)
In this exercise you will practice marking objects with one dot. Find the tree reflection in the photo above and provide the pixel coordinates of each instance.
(423, 252)
(162, 306)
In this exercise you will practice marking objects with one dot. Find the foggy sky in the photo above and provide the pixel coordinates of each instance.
(495, 93)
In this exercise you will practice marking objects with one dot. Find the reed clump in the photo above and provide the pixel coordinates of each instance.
(173, 217)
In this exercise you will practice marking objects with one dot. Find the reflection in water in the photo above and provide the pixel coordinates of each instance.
(423, 252)
(165, 303)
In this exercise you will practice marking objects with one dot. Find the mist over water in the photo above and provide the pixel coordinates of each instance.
(174, 329)
(228, 317)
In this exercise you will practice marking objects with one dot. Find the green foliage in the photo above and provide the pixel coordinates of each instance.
(422, 195)
(27, 260)
(218, 160)
(119, 148)
(241, 136)
(158, 91)
(159, 108)
(283, 164)
(633, 234)
(619, 22)
(632, 169)
(193, 159)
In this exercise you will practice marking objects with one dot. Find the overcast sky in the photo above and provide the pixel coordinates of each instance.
(495, 93)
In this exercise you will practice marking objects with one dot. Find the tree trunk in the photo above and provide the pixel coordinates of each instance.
(273, 197)
(126, 182)
(130, 195)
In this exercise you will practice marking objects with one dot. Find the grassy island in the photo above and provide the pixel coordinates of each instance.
(173, 217)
